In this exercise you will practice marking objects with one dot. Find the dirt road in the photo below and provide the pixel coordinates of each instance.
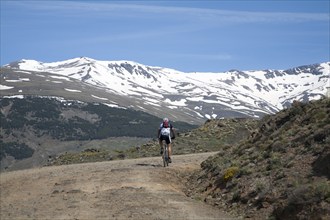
(127, 189)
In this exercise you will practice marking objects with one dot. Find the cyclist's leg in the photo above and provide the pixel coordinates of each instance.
(169, 145)
(170, 152)
(170, 149)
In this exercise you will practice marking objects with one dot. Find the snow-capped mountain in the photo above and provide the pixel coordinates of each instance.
(192, 97)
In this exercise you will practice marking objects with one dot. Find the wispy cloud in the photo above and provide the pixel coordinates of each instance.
(165, 20)
(131, 9)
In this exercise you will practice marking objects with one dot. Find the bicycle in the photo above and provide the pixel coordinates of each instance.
(165, 154)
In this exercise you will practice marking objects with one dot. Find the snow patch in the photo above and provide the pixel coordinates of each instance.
(60, 77)
(199, 115)
(71, 90)
(94, 96)
(4, 87)
(140, 107)
(195, 99)
(181, 102)
(151, 103)
(113, 106)
(18, 80)
(150, 100)
(23, 72)
(14, 97)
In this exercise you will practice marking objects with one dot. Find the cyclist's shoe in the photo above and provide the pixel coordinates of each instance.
(169, 160)
(161, 151)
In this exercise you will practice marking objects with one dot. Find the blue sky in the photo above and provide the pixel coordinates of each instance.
(190, 36)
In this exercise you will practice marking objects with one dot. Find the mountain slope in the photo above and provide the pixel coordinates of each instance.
(34, 128)
(190, 97)
(280, 172)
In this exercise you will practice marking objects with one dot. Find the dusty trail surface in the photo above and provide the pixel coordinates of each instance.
(135, 189)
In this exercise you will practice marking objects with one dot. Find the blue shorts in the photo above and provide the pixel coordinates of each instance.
(166, 138)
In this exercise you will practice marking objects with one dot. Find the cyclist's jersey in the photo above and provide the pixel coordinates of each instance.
(165, 131)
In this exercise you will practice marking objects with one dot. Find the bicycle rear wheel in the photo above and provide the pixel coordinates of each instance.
(165, 156)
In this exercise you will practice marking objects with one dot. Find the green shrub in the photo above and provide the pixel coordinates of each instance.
(17, 150)
(230, 173)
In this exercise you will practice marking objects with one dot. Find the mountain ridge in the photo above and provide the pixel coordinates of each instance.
(192, 97)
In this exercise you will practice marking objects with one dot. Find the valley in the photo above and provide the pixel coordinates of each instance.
(78, 137)
(35, 130)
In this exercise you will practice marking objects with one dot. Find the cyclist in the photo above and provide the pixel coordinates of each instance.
(165, 132)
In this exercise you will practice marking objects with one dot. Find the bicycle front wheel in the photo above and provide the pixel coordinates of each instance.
(165, 156)
(164, 161)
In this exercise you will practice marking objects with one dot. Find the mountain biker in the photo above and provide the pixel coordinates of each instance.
(165, 132)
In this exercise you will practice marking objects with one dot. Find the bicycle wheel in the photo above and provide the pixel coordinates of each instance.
(165, 156)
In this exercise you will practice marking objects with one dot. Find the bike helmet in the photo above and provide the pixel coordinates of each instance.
(166, 120)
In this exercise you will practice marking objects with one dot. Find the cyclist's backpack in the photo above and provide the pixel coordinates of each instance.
(165, 124)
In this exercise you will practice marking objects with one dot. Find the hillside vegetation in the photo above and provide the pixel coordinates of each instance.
(76, 120)
(212, 136)
(35, 125)
(281, 171)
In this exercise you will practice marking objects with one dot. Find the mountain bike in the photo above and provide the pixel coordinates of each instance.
(165, 154)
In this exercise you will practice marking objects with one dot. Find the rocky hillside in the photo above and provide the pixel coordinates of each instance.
(281, 171)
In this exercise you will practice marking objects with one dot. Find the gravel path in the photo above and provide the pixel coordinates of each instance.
(126, 189)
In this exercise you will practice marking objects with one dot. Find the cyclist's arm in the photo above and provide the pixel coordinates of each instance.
(158, 135)
(173, 131)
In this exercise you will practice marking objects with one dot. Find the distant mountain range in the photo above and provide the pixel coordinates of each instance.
(191, 97)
